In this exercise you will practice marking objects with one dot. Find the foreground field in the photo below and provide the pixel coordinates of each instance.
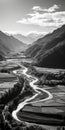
(37, 112)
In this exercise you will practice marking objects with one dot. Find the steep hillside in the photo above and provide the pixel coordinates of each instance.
(50, 50)
(3, 50)
(54, 58)
(11, 43)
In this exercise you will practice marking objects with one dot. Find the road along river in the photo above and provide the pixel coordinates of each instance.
(36, 89)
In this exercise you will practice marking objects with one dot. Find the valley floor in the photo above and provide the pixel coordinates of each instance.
(49, 112)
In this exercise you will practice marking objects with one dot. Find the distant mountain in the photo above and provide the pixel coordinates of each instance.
(49, 51)
(35, 35)
(29, 39)
(10, 44)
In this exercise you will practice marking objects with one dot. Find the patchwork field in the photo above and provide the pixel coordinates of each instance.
(52, 80)
(49, 112)
(56, 105)
(7, 80)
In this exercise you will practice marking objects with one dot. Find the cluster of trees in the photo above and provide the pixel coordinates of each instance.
(4, 71)
(28, 91)
(12, 93)
(55, 76)
(48, 78)
(33, 71)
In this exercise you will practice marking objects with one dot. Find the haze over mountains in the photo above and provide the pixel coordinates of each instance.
(10, 44)
(49, 51)
(28, 39)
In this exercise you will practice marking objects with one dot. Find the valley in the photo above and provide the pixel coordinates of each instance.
(32, 83)
(40, 102)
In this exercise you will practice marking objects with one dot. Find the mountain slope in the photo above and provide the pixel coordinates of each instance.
(3, 50)
(50, 50)
(54, 58)
(11, 43)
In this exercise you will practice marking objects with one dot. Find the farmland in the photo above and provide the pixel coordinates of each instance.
(41, 102)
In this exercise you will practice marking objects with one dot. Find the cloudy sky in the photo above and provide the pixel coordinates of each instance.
(27, 16)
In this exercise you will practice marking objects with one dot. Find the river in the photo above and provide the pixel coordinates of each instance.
(37, 90)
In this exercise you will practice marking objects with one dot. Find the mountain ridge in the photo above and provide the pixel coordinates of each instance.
(50, 47)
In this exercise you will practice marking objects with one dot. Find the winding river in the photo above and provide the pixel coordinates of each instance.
(28, 100)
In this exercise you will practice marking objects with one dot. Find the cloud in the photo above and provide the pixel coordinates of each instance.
(48, 17)
(37, 8)
(51, 9)
(10, 32)
(37, 33)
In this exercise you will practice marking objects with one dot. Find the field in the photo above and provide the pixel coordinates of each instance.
(38, 112)
(52, 80)
(7, 80)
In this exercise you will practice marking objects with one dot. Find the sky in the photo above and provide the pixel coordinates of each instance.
(31, 16)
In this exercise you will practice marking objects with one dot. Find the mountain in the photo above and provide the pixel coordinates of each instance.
(3, 50)
(35, 35)
(9, 44)
(29, 39)
(25, 39)
(49, 51)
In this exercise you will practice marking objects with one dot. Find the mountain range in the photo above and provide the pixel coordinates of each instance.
(9, 44)
(28, 39)
(49, 51)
